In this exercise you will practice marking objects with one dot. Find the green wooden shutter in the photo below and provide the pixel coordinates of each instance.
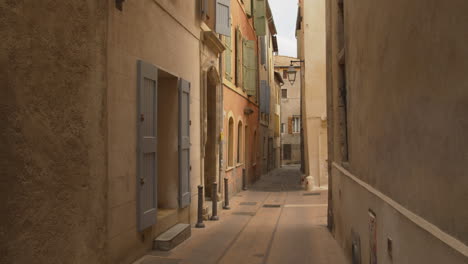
(239, 58)
(260, 17)
(250, 67)
(228, 58)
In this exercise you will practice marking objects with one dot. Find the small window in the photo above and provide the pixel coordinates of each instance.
(296, 124)
(284, 93)
(285, 74)
(283, 127)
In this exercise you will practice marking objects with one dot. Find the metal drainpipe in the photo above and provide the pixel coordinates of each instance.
(221, 121)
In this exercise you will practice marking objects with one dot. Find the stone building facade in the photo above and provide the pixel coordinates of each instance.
(397, 105)
(290, 112)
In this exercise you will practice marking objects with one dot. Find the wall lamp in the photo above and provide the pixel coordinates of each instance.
(292, 71)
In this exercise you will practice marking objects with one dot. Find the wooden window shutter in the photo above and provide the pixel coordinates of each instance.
(290, 125)
(248, 8)
(223, 19)
(263, 50)
(260, 17)
(263, 96)
(228, 58)
(147, 204)
(249, 60)
(238, 58)
(184, 144)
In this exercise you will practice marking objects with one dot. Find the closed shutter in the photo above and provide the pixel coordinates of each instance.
(263, 50)
(248, 7)
(263, 96)
(249, 63)
(184, 143)
(146, 149)
(223, 23)
(228, 58)
(239, 58)
(268, 99)
(260, 17)
(290, 125)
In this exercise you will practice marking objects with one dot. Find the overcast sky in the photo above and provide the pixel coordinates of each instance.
(284, 14)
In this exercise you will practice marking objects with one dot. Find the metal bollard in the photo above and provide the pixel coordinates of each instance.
(214, 198)
(226, 194)
(200, 223)
(244, 179)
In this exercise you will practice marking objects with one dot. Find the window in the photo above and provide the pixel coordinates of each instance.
(283, 127)
(231, 143)
(296, 124)
(284, 93)
(285, 74)
(239, 142)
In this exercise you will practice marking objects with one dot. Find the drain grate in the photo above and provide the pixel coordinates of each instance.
(244, 213)
(248, 203)
(272, 205)
(310, 194)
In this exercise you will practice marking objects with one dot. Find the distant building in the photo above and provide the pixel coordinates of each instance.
(290, 112)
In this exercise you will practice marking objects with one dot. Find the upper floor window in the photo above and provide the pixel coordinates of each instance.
(284, 93)
(296, 124)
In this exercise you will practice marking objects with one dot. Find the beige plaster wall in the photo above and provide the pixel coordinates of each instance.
(165, 34)
(407, 105)
(53, 133)
(314, 117)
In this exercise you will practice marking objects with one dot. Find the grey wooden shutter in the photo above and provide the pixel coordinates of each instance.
(249, 62)
(147, 145)
(223, 23)
(228, 58)
(184, 143)
(263, 50)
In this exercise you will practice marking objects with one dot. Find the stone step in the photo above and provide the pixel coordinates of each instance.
(172, 237)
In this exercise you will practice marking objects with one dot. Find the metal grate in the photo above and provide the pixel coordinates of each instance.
(244, 213)
(310, 194)
(248, 203)
(271, 205)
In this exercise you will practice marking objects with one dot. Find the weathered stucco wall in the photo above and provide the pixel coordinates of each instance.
(407, 106)
(313, 78)
(165, 34)
(53, 132)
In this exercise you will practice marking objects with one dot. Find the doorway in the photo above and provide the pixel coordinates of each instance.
(210, 161)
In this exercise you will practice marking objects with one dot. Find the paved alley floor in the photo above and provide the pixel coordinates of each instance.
(274, 222)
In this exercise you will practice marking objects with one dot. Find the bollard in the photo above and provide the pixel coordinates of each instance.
(200, 223)
(214, 198)
(226, 194)
(244, 180)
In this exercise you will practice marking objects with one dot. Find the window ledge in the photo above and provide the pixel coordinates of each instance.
(229, 169)
(239, 164)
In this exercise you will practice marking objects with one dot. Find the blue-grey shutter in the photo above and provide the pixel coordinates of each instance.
(263, 95)
(263, 50)
(184, 143)
(268, 99)
(147, 144)
(223, 23)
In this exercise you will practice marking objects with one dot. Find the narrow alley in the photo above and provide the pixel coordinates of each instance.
(274, 222)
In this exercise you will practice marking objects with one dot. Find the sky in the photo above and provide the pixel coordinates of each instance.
(284, 14)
